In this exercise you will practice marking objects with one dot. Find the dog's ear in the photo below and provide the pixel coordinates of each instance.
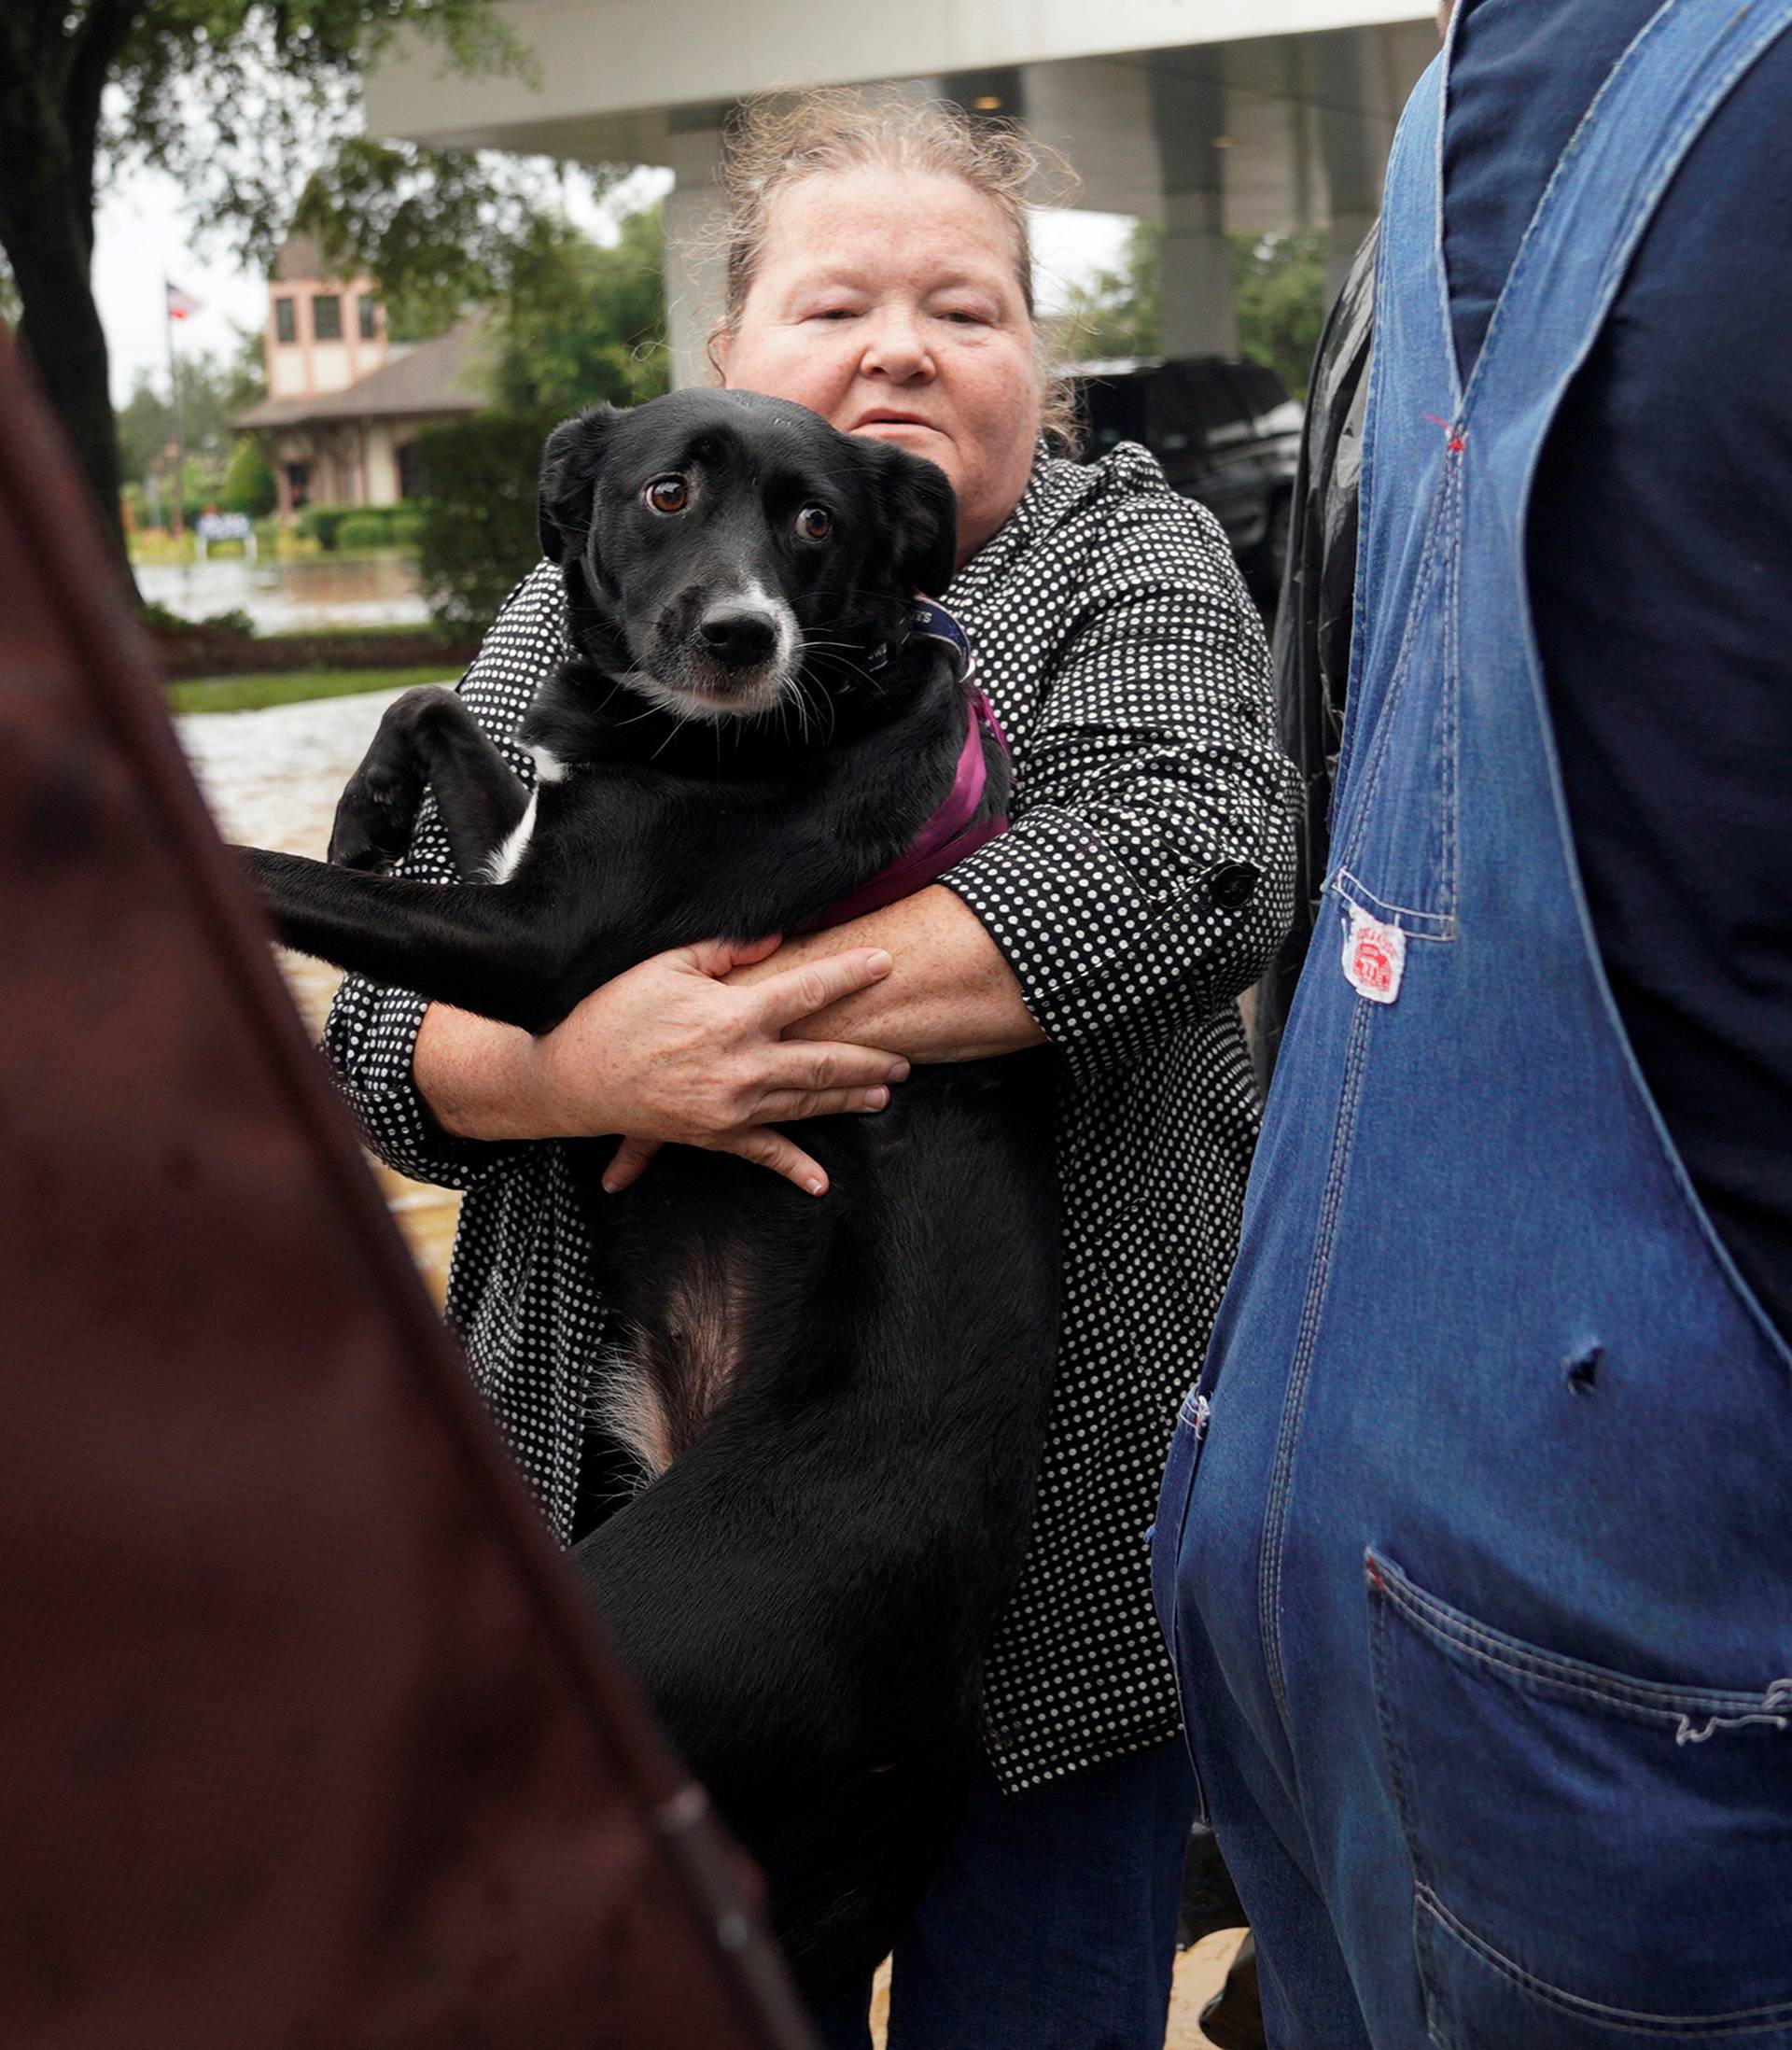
(569, 467)
(922, 510)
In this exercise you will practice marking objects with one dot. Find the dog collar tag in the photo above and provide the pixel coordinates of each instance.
(1375, 957)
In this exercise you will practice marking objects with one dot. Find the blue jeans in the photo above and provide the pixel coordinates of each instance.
(1051, 1923)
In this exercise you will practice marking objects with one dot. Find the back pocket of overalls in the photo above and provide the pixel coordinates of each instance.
(1601, 1862)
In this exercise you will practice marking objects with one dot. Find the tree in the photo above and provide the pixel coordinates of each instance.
(1118, 312)
(213, 388)
(1279, 285)
(581, 323)
(249, 483)
(239, 99)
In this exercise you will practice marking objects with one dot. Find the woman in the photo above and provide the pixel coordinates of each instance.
(879, 271)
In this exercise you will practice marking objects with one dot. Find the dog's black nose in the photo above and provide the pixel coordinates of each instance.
(738, 636)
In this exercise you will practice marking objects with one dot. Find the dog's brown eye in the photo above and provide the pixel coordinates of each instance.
(815, 523)
(668, 495)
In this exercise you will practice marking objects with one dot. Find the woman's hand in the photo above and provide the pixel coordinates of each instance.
(666, 1052)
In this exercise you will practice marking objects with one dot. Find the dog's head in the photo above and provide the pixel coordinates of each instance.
(727, 542)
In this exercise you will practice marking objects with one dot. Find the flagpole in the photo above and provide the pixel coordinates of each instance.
(176, 525)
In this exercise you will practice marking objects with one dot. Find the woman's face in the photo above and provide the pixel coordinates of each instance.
(888, 302)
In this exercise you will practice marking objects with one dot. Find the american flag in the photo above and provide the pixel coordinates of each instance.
(179, 305)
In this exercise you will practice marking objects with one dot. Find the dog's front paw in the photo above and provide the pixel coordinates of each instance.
(374, 818)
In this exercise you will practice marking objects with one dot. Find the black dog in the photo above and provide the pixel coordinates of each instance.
(842, 1401)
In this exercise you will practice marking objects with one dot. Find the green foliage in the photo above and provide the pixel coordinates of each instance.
(213, 388)
(366, 529)
(1117, 311)
(249, 484)
(245, 103)
(1280, 283)
(248, 102)
(323, 523)
(236, 621)
(582, 323)
(231, 694)
(158, 619)
(479, 536)
(333, 526)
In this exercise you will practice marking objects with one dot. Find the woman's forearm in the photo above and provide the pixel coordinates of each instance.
(950, 996)
(481, 1080)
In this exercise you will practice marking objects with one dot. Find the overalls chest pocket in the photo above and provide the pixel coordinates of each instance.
(1394, 850)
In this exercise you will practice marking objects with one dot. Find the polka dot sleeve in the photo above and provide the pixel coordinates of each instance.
(1145, 882)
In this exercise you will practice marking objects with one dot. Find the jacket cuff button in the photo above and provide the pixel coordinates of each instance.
(1231, 885)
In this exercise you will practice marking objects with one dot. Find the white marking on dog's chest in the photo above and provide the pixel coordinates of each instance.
(548, 768)
(503, 864)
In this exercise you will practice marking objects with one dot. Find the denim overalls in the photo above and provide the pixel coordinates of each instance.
(1474, 1550)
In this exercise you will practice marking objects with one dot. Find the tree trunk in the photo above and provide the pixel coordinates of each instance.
(53, 68)
(60, 330)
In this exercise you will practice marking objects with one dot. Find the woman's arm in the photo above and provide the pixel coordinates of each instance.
(950, 996)
(1146, 879)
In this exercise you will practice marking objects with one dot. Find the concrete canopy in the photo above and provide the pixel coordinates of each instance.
(1211, 116)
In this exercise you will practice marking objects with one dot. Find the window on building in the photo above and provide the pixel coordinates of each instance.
(326, 317)
(286, 322)
(369, 314)
(298, 485)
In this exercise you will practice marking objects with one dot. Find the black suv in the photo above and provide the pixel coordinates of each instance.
(1227, 432)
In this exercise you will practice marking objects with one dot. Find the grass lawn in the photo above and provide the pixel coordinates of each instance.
(235, 694)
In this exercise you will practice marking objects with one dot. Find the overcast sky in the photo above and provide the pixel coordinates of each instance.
(141, 238)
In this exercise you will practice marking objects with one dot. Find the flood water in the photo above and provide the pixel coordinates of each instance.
(294, 597)
(273, 779)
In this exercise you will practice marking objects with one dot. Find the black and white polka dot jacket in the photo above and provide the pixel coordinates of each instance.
(1145, 882)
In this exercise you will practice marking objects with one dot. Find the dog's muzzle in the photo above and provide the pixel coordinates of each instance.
(733, 661)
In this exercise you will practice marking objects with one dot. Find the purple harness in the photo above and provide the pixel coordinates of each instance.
(954, 831)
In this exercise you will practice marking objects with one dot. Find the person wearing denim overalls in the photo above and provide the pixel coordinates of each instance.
(1474, 1548)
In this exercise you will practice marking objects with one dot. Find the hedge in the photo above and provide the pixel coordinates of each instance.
(360, 525)
(368, 529)
(479, 537)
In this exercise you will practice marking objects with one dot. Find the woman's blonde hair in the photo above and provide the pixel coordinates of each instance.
(775, 143)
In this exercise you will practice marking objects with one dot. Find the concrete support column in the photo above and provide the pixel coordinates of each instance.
(1188, 117)
(1351, 153)
(1200, 307)
(692, 215)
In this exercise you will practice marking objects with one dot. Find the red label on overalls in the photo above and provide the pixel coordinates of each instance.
(1375, 957)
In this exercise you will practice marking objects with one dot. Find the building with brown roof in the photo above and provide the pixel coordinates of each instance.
(345, 402)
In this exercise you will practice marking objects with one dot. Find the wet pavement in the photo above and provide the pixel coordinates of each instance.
(273, 779)
(290, 596)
